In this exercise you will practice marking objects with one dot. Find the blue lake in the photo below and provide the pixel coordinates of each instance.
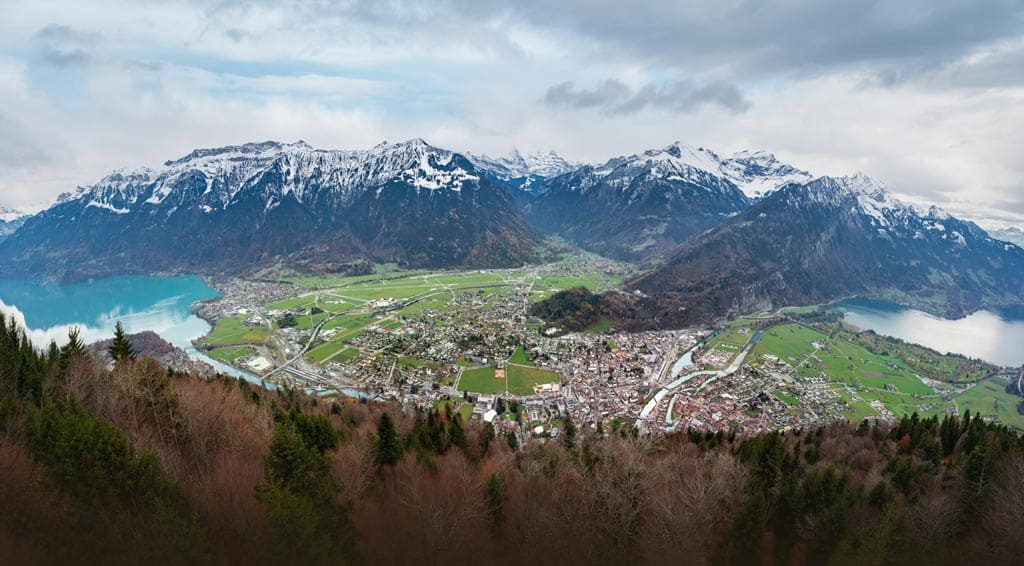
(996, 337)
(160, 304)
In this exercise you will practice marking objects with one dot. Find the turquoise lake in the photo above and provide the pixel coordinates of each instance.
(996, 337)
(160, 304)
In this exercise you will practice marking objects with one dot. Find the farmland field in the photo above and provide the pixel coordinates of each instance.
(321, 353)
(990, 398)
(231, 331)
(229, 353)
(885, 378)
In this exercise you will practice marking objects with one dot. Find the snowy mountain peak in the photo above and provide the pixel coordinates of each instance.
(515, 165)
(684, 155)
(759, 173)
(936, 213)
(861, 183)
(548, 163)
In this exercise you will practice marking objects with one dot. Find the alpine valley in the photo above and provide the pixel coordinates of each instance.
(720, 235)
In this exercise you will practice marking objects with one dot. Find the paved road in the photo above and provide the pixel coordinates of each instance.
(312, 338)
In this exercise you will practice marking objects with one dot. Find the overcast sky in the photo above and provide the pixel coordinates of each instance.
(927, 95)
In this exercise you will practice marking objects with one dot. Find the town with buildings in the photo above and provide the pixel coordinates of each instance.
(466, 341)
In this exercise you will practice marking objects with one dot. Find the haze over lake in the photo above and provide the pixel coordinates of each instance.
(993, 337)
(160, 304)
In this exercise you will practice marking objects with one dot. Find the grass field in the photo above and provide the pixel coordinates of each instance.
(321, 353)
(231, 332)
(306, 321)
(731, 340)
(519, 357)
(407, 362)
(229, 354)
(481, 380)
(990, 398)
(790, 342)
(843, 361)
(438, 303)
(786, 397)
(301, 302)
(521, 380)
(349, 321)
(859, 409)
(838, 359)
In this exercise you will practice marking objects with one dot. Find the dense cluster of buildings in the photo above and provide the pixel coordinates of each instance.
(414, 349)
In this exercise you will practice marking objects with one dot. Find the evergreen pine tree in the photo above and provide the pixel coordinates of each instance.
(513, 442)
(121, 348)
(75, 348)
(456, 433)
(569, 433)
(388, 447)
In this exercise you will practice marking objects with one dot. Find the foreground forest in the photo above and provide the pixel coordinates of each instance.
(136, 464)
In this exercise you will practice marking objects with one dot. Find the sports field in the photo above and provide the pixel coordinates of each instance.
(519, 380)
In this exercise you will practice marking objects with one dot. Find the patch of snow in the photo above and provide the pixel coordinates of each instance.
(109, 207)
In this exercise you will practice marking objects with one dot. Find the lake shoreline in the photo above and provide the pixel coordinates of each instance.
(986, 334)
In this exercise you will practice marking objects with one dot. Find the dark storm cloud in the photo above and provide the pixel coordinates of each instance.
(616, 97)
(63, 46)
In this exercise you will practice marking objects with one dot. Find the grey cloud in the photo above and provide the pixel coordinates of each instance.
(615, 97)
(63, 46)
(743, 39)
(753, 37)
(609, 93)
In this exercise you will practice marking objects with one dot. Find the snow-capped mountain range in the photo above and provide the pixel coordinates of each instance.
(755, 174)
(634, 206)
(211, 179)
(542, 164)
(830, 238)
(240, 208)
